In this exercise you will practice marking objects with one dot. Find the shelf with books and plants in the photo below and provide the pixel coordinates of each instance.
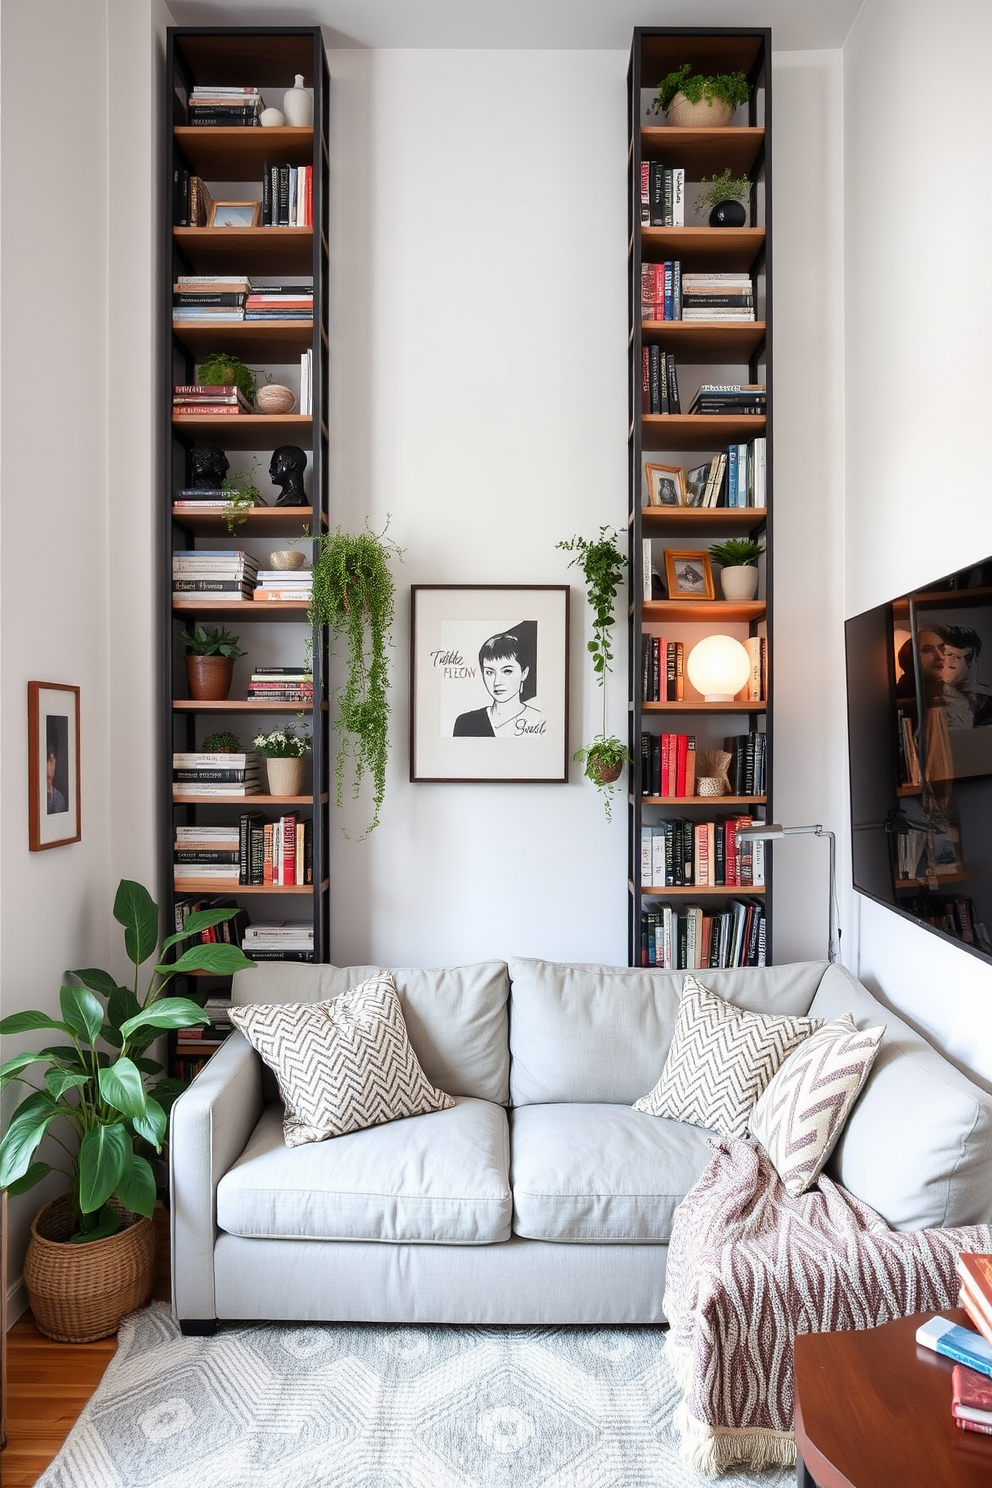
(244, 492)
(699, 468)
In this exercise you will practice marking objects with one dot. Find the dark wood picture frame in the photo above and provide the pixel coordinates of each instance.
(470, 721)
(54, 816)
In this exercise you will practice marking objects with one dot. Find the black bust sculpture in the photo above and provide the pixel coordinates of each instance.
(208, 466)
(286, 471)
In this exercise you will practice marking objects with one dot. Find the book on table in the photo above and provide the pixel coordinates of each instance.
(975, 1272)
(957, 1343)
(971, 1399)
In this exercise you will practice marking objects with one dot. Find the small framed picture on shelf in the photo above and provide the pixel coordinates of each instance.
(53, 765)
(235, 214)
(688, 575)
(666, 485)
(489, 683)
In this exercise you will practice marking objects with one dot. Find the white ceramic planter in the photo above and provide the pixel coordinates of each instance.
(285, 776)
(739, 583)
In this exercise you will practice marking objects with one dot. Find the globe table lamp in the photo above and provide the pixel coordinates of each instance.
(718, 667)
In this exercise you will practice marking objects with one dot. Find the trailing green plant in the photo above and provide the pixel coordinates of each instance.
(220, 368)
(242, 494)
(223, 742)
(602, 564)
(737, 552)
(724, 187)
(353, 595)
(210, 640)
(731, 88)
(99, 1084)
(282, 743)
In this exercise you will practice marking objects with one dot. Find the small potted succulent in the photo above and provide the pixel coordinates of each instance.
(282, 750)
(697, 100)
(222, 742)
(738, 574)
(210, 656)
(727, 196)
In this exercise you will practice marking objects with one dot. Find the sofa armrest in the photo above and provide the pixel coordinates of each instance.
(211, 1124)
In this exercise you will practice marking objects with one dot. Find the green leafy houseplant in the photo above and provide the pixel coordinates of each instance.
(730, 88)
(284, 743)
(221, 369)
(97, 1083)
(737, 552)
(602, 564)
(242, 494)
(354, 595)
(222, 742)
(206, 640)
(724, 187)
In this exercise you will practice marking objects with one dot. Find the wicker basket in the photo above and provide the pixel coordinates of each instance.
(81, 1292)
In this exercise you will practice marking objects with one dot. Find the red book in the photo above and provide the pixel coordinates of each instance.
(729, 854)
(683, 745)
(659, 291)
(666, 761)
(975, 1271)
(288, 864)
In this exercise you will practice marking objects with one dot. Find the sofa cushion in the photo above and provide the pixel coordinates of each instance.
(806, 1103)
(455, 1015)
(720, 1061)
(438, 1179)
(588, 1174)
(917, 1146)
(341, 1065)
(602, 1033)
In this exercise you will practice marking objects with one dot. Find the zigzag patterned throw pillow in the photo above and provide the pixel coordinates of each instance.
(721, 1059)
(803, 1111)
(341, 1065)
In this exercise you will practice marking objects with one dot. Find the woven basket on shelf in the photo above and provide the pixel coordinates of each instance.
(80, 1292)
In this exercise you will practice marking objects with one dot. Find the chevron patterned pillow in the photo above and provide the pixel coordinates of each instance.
(720, 1061)
(803, 1110)
(341, 1065)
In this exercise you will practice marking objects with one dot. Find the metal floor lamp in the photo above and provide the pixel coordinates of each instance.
(771, 832)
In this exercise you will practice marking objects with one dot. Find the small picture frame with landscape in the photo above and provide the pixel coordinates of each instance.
(235, 214)
(688, 574)
(666, 485)
(53, 765)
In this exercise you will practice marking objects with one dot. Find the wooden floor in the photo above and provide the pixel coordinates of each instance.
(49, 1383)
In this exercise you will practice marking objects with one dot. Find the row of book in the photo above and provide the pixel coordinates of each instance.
(669, 294)
(971, 1349)
(663, 667)
(662, 194)
(729, 399)
(215, 773)
(668, 764)
(685, 854)
(955, 915)
(277, 684)
(225, 573)
(210, 106)
(287, 195)
(690, 938)
(228, 932)
(277, 852)
(735, 477)
(192, 203)
(199, 297)
(659, 381)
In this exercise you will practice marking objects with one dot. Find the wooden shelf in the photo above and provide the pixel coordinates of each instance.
(255, 250)
(705, 516)
(698, 248)
(701, 891)
(274, 342)
(240, 609)
(706, 340)
(698, 705)
(261, 521)
(698, 149)
(708, 801)
(244, 705)
(931, 884)
(213, 886)
(239, 801)
(702, 431)
(238, 154)
(703, 611)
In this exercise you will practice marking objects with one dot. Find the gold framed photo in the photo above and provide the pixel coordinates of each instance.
(235, 214)
(688, 574)
(666, 485)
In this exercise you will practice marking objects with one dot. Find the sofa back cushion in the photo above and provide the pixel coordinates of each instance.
(581, 1032)
(917, 1146)
(456, 1016)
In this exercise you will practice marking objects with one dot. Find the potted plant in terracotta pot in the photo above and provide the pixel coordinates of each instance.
(91, 1257)
(210, 657)
(602, 564)
(738, 557)
(727, 196)
(283, 750)
(698, 100)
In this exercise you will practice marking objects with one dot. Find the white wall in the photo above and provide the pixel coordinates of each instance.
(918, 320)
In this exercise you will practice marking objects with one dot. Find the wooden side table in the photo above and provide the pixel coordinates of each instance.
(873, 1410)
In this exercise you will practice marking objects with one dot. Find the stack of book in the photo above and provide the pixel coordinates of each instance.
(208, 498)
(222, 573)
(277, 584)
(281, 685)
(661, 290)
(735, 477)
(971, 1377)
(748, 756)
(222, 107)
(192, 203)
(206, 852)
(279, 853)
(209, 297)
(662, 195)
(680, 854)
(279, 302)
(279, 940)
(694, 939)
(209, 400)
(717, 297)
(659, 381)
(206, 773)
(729, 399)
(287, 195)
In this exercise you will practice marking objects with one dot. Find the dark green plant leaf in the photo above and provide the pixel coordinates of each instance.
(122, 1087)
(14, 1066)
(102, 1155)
(121, 1005)
(34, 1174)
(27, 1127)
(167, 1091)
(136, 910)
(168, 1012)
(153, 1124)
(136, 1187)
(108, 1222)
(200, 919)
(220, 959)
(96, 980)
(111, 1035)
(25, 1022)
(59, 1081)
(149, 1066)
(83, 1012)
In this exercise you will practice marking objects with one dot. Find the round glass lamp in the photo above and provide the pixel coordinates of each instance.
(718, 667)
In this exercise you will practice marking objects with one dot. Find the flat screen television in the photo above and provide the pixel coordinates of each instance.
(919, 707)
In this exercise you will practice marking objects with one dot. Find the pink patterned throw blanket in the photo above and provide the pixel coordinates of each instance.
(749, 1268)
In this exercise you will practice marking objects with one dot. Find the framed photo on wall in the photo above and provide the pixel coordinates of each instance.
(689, 574)
(489, 683)
(53, 765)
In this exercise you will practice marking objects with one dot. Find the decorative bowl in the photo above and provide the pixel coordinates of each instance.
(275, 399)
(287, 558)
(272, 118)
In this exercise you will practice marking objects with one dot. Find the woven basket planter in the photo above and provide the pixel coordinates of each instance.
(80, 1292)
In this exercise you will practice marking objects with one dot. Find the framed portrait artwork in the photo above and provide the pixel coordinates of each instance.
(53, 765)
(666, 484)
(489, 683)
(688, 575)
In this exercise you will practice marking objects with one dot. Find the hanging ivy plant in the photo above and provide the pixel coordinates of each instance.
(353, 595)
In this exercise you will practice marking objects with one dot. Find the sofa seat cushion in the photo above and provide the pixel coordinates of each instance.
(589, 1174)
(441, 1179)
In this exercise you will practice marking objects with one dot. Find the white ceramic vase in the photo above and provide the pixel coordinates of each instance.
(739, 583)
(297, 104)
(285, 776)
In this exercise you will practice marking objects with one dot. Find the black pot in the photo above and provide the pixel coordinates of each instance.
(728, 214)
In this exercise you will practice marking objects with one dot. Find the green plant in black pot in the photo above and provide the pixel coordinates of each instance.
(727, 195)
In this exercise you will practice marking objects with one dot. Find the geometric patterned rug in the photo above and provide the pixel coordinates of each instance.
(269, 1405)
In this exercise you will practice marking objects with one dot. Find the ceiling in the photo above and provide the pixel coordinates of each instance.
(561, 25)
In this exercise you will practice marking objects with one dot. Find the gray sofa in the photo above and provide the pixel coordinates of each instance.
(541, 1197)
